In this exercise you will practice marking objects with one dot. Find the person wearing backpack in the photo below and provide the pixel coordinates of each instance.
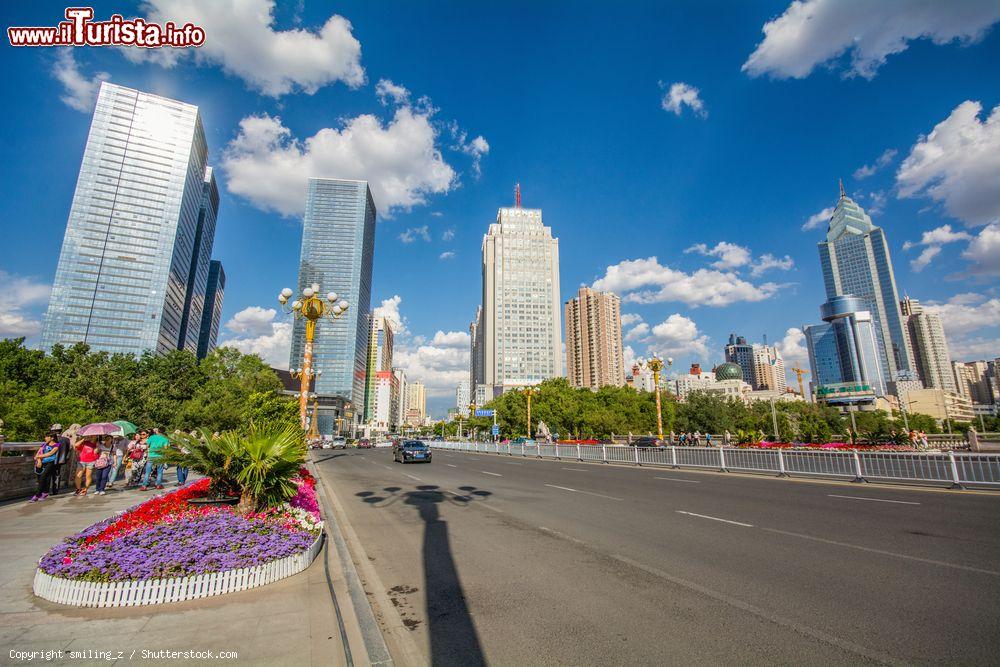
(45, 466)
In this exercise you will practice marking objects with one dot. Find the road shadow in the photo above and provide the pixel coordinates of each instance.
(453, 636)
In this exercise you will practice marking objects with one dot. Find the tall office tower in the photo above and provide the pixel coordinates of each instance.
(211, 315)
(929, 345)
(972, 378)
(122, 278)
(338, 244)
(416, 404)
(379, 359)
(402, 394)
(463, 396)
(594, 353)
(768, 369)
(855, 260)
(200, 264)
(522, 338)
(476, 371)
(845, 348)
(738, 351)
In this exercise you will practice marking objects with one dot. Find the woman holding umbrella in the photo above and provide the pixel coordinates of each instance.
(87, 454)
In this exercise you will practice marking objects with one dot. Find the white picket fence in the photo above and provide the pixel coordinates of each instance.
(156, 591)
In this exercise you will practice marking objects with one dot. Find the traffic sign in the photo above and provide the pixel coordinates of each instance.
(496, 429)
(484, 413)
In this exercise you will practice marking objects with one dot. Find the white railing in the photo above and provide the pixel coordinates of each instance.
(954, 469)
(174, 589)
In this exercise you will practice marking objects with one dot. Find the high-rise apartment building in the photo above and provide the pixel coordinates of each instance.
(522, 337)
(738, 351)
(379, 359)
(338, 245)
(762, 365)
(973, 381)
(476, 370)
(385, 402)
(594, 353)
(463, 396)
(122, 283)
(402, 394)
(211, 316)
(929, 345)
(200, 265)
(844, 351)
(856, 262)
(416, 404)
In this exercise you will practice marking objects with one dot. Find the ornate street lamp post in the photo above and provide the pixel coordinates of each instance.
(655, 364)
(529, 392)
(312, 309)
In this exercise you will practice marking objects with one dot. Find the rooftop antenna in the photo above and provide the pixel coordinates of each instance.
(842, 193)
(517, 196)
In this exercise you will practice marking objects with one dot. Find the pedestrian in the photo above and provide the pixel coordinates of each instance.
(119, 453)
(65, 446)
(45, 466)
(104, 463)
(708, 439)
(682, 441)
(727, 438)
(137, 458)
(155, 443)
(923, 440)
(86, 451)
(697, 438)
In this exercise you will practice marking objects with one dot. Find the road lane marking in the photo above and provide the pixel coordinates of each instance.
(495, 474)
(512, 463)
(413, 477)
(930, 561)
(715, 518)
(678, 479)
(589, 493)
(451, 465)
(577, 469)
(874, 500)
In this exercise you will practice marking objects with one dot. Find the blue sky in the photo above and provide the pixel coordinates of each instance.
(641, 130)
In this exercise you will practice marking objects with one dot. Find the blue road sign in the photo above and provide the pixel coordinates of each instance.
(496, 429)
(484, 413)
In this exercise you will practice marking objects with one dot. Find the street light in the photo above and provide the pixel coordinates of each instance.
(655, 364)
(312, 309)
(529, 392)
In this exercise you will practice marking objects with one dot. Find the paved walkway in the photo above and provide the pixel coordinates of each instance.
(289, 622)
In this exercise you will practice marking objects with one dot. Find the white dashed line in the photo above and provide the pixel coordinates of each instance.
(495, 474)
(715, 518)
(451, 465)
(589, 493)
(677, 479)
(577, 469)
(413, 477)
(874, 500)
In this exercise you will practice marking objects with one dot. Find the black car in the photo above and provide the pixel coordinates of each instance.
(411, 450)
(646, 441)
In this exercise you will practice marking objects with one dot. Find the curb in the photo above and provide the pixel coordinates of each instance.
(356, 617)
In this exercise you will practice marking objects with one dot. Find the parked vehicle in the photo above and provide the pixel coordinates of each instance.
(365, 443)
(647, 441)
(339, 443)
(411, 450)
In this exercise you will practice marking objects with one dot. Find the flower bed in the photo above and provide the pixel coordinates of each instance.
(166, 537)
(846, 446)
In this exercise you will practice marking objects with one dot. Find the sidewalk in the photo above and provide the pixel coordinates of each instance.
(289, 622)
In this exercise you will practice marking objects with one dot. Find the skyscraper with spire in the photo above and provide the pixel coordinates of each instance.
(856, 262)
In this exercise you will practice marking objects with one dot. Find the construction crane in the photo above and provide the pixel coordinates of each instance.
(799, 372)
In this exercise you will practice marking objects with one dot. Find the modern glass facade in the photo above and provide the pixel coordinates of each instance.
(338, 245)
(211, 316)
(201, 258)
(123, 273)
(845, 348)
(855, 261)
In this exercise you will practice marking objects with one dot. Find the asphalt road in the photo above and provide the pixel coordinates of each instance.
(492, 560)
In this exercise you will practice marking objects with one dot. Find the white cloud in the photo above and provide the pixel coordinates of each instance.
(984, 251)
(447, 254)
(258, 333)
(476, 148)
(817, 220)
(680, 95)
(451, 339)
(869, 169)
(18, 295)
(974, 348)
(638, 332)
(448, 235)
(439, 366)
(958, 164)
(678, 335)
(704, 287)
(80, 92)
(730, 255)
(411, 234)
(630, 318)
(966, 312)
(387, 91)
(400, 160)
(816, 32)
(877, 202)
(925, 257)
(767, 261)
(241, 39)
(389, 309)
(793, 347)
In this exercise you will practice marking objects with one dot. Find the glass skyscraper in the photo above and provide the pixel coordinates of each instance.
(855, 261)
(201, 258)
(122, 280)
(845, 348)
(211, 316)
(338, 245)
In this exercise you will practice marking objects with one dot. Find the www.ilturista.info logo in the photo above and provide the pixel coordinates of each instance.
(79, 29)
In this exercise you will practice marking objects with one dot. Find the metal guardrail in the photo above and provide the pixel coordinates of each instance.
(957, 470)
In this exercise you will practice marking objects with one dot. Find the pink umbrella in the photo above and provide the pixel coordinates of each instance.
(101, 428)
